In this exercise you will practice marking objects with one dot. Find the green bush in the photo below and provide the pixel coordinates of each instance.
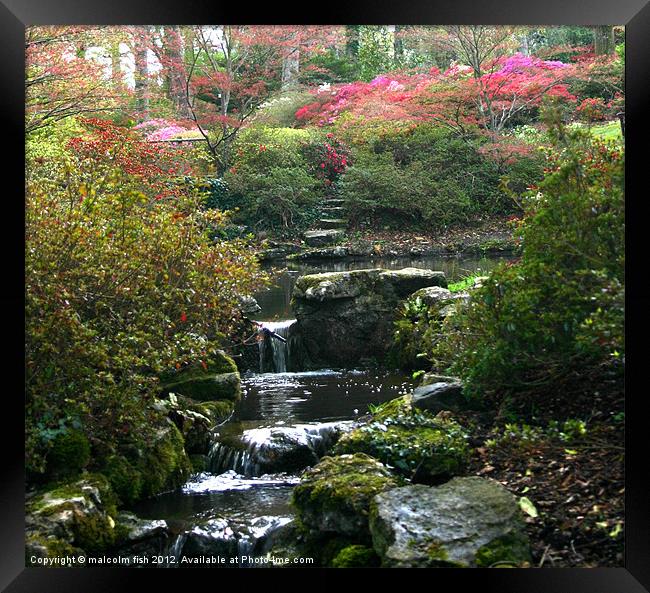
(428, 176)
(561, 307)
(272, 184)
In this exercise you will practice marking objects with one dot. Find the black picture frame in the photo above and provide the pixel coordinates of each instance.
(634, 14)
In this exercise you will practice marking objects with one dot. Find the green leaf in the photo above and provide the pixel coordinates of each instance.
(528, 507)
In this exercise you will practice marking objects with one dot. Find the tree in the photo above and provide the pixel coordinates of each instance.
(604, 40)
(233, 69)
(60, 79)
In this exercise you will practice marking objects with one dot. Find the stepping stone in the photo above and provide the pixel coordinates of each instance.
(322, 237)
(332, 223)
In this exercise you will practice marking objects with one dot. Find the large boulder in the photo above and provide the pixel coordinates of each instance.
(142, 537)
(144, 470)
(216, 379)
(323, 237)
(417, 445)
(348, 316)
(465, 522)
(334, 496)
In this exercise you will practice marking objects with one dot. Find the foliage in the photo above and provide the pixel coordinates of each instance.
(280, 174)
(429, 175)
(119, 287)
(562, 305)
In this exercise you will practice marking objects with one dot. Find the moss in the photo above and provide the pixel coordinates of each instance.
(400, 405)
(199, 463)
(355, 556)
(165, 465)
(417, 445)
(335, 494)
(217, 411)
(125, 479)
(70, 453)
(41, 546)
(89, 519)
(207, 387)
(508, 550)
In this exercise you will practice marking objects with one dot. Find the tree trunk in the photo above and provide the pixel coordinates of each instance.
(398, 44)
(290, 68)
(352, 41)
(141, 74)
(175, 70)
(604, 40)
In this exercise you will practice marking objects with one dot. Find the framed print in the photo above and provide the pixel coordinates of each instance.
(317, 291)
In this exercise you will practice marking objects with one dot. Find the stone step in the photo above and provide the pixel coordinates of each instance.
(334, 201)
(332, 209)
(333, 223)
(322, 237)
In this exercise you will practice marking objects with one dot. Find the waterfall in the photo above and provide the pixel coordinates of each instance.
(275, 449)
(272, 350)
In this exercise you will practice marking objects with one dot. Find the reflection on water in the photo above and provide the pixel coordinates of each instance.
(317, 395)
(275, 301)
(207, 496)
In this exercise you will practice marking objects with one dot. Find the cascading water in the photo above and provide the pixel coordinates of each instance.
(264, 450)
(275, 352)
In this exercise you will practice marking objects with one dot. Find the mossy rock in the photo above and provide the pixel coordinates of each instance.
(79, 514)
(165, 465)
(219, 379)
(356, 556)
(334, 496)
(199, 463)
(69, 455)
(38, 546)
(418, 445)
(125, 479)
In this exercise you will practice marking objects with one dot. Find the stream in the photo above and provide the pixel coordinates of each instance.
(284, 422)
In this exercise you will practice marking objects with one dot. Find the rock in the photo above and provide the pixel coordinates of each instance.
(356, 556)
(277, 250)
(76, 517)
(276, 449)
(418, 446)
(344, 316)
(195, 420)
(332, 223)
(322, 237)
(142, 537)
(436, 397)
(334, 496)
(321, 253)
(218, 380)
(212, 538)
(159, 466)
(466, 522)
(249, 306)
(429, 378)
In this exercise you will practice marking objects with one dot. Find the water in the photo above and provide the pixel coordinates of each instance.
(274, 350)
(284, 422)
(275, 302)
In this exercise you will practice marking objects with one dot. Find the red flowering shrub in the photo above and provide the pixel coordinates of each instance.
(592, 109)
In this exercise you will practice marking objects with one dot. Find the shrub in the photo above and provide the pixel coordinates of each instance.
(272, 185)
(562, 306)
(426, 174)
(119, 288)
